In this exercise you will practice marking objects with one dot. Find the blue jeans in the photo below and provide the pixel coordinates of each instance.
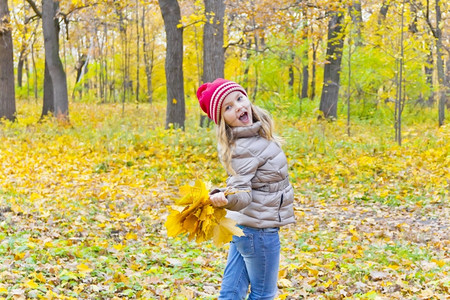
(253, 260)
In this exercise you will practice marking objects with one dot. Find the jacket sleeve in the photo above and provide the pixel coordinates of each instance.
(245, 166)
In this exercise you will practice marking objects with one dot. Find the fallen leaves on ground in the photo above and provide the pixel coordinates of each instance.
(83, 207)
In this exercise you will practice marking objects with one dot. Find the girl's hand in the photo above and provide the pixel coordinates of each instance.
(218, 199)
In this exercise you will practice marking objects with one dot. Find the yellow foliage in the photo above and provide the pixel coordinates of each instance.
(119, 247)
(84, 268)
(39, 276)
(199, 219)
(31, 284)
(88, 197)
(131, 236)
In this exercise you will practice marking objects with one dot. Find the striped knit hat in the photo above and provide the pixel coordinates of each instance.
(211, 95)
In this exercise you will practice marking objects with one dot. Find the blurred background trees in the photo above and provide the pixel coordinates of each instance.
(286, 53)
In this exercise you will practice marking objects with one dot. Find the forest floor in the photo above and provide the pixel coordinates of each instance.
(334, 251)
(83, 207)
(385, 247)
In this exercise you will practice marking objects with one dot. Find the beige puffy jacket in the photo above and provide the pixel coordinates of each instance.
(261, 168)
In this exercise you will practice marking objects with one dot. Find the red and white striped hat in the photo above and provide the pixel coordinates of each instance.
(211, 95)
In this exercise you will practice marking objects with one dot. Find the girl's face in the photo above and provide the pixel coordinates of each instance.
(237, 110)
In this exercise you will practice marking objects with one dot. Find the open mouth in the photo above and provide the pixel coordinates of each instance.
(243, 117)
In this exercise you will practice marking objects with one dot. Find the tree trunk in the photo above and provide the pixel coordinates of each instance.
(7, 93)
(429, 76)
(383, 11)
(20, 67)
(55, 67)
(440, 65)
(399, 103)
(447, 80)
(356, 14)
(255, 90)
(412, 27)
(305, 79)
(138, 44)
(148, 58)
(213, 51)
(80, 67)
(349, 65)
(33, 62)
(313, 72)
(104, 60)
(248, 56)
(27, 72)
(291, 72)
(331, 76)
(126, 82)
(48, 105)
(176, 111)
(305, 69)
(23, 51)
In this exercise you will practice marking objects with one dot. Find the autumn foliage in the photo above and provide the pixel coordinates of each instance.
(83, 207)
(199, 219)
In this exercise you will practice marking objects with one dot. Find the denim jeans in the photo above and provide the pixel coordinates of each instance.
(253, 260)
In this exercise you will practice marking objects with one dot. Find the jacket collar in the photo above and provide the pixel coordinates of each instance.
(247, 131)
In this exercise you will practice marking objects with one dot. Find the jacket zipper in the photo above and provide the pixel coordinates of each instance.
(279, 208)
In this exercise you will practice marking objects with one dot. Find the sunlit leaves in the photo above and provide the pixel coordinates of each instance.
(82, 208)
(73, 221)
(199, 219)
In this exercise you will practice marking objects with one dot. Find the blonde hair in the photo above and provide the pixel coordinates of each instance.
(226, 140)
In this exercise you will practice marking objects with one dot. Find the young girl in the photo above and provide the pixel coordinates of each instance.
(258, 173)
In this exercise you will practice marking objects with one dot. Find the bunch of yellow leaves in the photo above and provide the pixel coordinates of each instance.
(199, 219)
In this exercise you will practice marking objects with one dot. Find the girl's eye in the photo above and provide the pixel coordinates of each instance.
(239, 98)
(228, 107)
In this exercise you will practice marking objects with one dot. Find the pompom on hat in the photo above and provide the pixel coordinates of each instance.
(211, 95)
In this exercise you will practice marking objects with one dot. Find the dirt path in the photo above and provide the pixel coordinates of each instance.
(416, 224)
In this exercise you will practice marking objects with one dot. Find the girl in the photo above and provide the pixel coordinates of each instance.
(263, 201)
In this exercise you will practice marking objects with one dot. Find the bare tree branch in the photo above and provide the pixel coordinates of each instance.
(35, 8)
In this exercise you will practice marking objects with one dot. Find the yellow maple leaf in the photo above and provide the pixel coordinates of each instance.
(19, 255)
(173, 223)
(84, 268)
(206, 225)
(190, 223)
(199, 219)
(196, 193)
(119, 277)
(16, 208)
(34, 196)
(284, 283)
(283, 296)
(131, 236)
(224, 231)
(283, 272)
(39, 276)
(119, 247)
(206, 213)
(31, 284)
(219, 214)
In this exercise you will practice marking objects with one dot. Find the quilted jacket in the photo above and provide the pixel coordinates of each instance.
(266, 197)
